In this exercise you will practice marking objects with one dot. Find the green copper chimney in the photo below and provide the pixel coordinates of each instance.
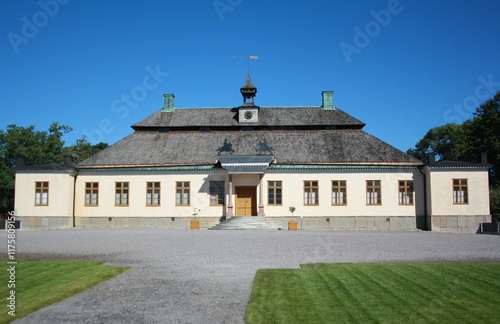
(168, 103)
(328, 100)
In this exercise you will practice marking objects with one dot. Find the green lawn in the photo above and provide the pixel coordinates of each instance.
(377, 293)
(44, 282)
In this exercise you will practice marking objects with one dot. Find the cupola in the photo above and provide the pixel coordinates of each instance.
(248, 91)
(248, 113)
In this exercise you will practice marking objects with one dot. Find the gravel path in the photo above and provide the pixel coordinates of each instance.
(185, 276)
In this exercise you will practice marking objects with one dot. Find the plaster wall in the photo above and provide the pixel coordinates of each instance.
(293, 193)
(60, 201)
(441, 193)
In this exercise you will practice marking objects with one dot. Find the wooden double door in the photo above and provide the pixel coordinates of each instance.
(246, 201)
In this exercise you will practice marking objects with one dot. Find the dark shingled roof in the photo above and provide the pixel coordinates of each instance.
(293, 135)
(290, 147)
(65, 165)
(268, 117)
(457, 164)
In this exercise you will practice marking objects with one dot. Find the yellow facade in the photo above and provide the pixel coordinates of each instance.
(356, 213)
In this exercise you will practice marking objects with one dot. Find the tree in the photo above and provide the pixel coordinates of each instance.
(467, 141)
(36, 147)
(444, 141)
(483, 135)
(495, 203)
(82, 150)
(7, 177)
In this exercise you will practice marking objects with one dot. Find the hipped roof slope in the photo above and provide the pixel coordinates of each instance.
(144, 148)
(268, 116)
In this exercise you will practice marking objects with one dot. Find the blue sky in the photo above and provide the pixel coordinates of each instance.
(402, 67)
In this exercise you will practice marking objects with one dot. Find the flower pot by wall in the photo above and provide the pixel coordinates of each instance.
(194, 224)
(292, 225)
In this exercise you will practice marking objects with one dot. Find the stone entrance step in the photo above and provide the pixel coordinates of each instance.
(245, 223)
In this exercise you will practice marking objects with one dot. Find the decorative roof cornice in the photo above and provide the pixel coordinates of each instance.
(272, 167)
(333, 167)
(459, 166)
(155, 169)
(36, 169)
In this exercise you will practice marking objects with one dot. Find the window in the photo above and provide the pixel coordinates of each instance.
(182, 194)
(217, 193)
(152, 194)
(121, 193)
(339, 192)
(274, 193)
(373, 192)
(460, 194)
(42, 193)
(405, 192)
(91, 193)
(311, 193)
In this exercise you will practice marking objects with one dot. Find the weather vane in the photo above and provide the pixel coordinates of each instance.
(249, 58)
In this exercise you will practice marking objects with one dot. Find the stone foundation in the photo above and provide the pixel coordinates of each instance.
(458, 224)
(44, 222)
(452, 224)
(54, 223)
(406, 223)
(144, 222)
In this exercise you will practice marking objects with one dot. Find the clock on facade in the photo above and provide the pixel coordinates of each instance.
(248, 115)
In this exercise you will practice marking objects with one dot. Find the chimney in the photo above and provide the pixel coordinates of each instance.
(328, 100)
(484, 158)
(20, 163)
(432, 158)
(68, 161)
(168, 103)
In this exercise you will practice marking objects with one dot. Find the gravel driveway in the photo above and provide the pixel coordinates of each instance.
(183, 276)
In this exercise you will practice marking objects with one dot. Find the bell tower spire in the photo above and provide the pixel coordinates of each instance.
(248, 91)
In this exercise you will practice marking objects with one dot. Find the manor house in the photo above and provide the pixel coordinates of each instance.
(213, 164)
